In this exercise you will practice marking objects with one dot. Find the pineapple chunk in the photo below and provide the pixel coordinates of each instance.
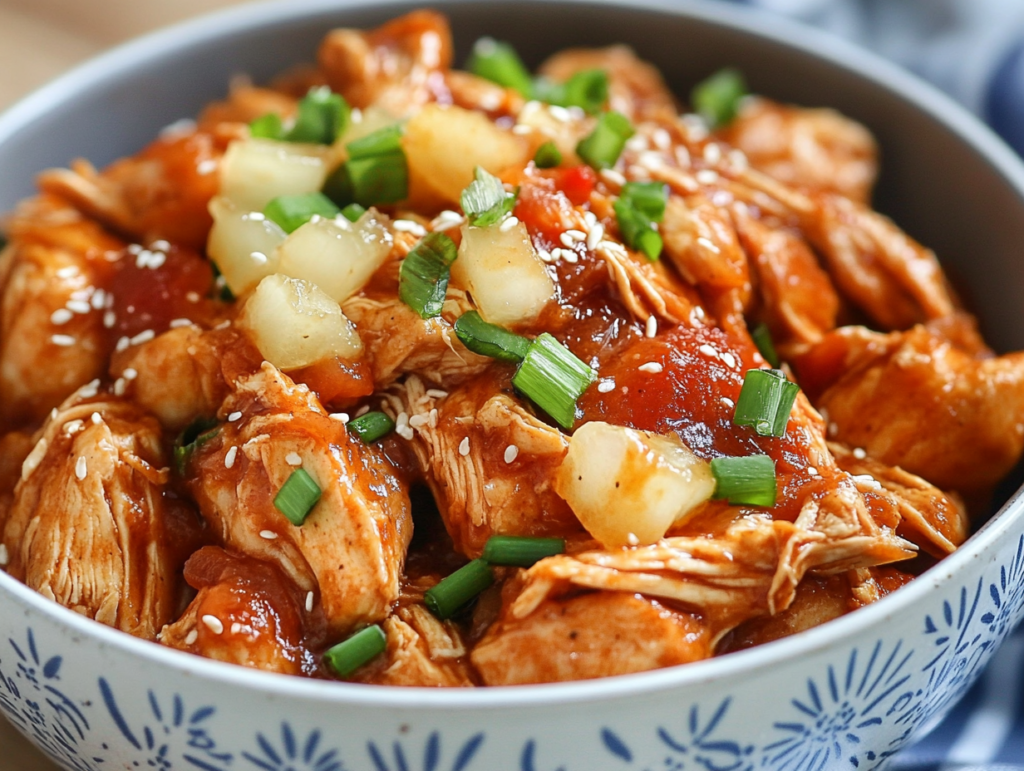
(501, 270)
(628, 487)
(294, 324)
(242, 244)
(255, 171)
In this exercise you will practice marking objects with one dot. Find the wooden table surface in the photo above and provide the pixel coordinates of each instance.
(40, 39)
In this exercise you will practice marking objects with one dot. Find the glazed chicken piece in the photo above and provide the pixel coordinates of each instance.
(93, 526)
(397, 67)
(815, 149)
(351, 548)
(246, 103)
(246, 612)
(914, 400)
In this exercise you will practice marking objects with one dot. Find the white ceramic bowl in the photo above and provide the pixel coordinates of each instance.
(847, 694)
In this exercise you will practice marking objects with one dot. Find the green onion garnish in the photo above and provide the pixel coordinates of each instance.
(490, 339)
(267, 126)
(602, 147)
(637, 229)
(499, 63)
(359, 649)
(587, 89)
(765, 402)
(649, 198)
(297, 497)
(423, 277)
(748, 480)
(195, 435)
(293, 211)
(446, 598)
(485, 201)
(520, 551)
(380, 142)
(763, 340)
(717, 99)
(353, 212)
(553, 378)
(548, 156)
(376, 171)
(371, 426)
(321, 119)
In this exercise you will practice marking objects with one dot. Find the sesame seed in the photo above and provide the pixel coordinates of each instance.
(191, 637)
(652, 326)
(650, 159)
(234, 416)
(82, 294)
(447, 220)
(637, 143)
(61, 316)
(98, 299)
(612, 176)
(293, 459)
(64, 341)
(661, 138)
(130, 373)
(708, 350)
(309, 602)
(268, 535)
(405, 432)
(4, 556)
(570, 256)
(109, 319)
(707, 176)
(436, 393)
(87, 391)
(464, 447)
(160, 245)
(74, 426)
(576, 235)
(236, 628)
(595, 235)
(119, 386)
(402, 419)
(68, 272)
(708, 244)
(80, 468)
(545, 255)
(122, 344)
(418, 421)
(858, 452)
(54, 413)
(341, 417)
(95, 418)
(560, 114)
(511, 453)
(192, 297)
(652, 366)
(175, 323)
(567, 240)
(229, 457)
(432, 418)
(214, 624)
(606, 386)
(409, 226)
(812, 471)
(508, 224)
(728, 402)
(729, 359)
(521, 128)
(712, 153)
(632, 540)
(143, 337)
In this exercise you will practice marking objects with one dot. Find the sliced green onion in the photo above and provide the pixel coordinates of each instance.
(293, 211)
(520, 551)
(446, 598)
(587, 89)
(499, 63)
(548, 156)
(485, 201)
(371, 426)
(637, 229)
(195, 435)
(602, 147)
(322, 117)
(359, 649)
(353, 212)
(763, 340)
(765, 401)
(380, 142)
(553, 378)
(717, 99)
(376, 171)
(297, 496)
(749, 480)
(267, 126)
(649, 198)
(490, 339)
(423, 277)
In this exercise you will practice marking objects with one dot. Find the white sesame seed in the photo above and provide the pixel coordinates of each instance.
(595, 235)
(268, 535)
(650, 159)
(632, 540)
(236, 628)
(293, 459)
(405, 432)
(707, 176)
(576, 235)
(652, 366)
(570, 256)
(175, 323)
(447, 220)
(729, 360)
(80, 468)
(522, 128)
(341, 417)
(109, 319)
(191, 637)
(98, 298)
(61, 316)
(612, 176)
(82, 294)
(409, 226)
(545, 255)
(87, 391)
(402, 419)
(637, 143)
(662, 139)
(436, 393)
(432, 418)
(122, 344)
(192, 297)
(858, 452)
(464, 447)
(119, 386)
(651, 329)
(560, 114)
(511, 453)
(812, 471)
(229, 457)
(4, 556)
(74, 426)
(728, 402)
(712, 153)
(214, 624)
(55, 412)
(234, 416)
(309, 602)
(708, 244)
(130, 374)
(606, 386)
(833, 429)
(143, 337)
(68, 272)
(508, 224)
(566, 239)
(708, 350)
(160, 245)
(64, 341)
(96, 419)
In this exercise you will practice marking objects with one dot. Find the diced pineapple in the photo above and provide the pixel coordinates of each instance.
(294, 324)
(444, 145)
(629, 487)
(242, 244)
(336, 255)
(565, 134)
(255, 171)
(501, 270)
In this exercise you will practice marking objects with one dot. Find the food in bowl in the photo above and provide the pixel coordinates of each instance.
(409, 375)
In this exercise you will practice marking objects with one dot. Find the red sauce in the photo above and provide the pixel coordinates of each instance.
(337, 382)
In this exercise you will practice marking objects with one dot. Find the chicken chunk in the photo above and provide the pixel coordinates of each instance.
(351, 548)
(246, 612)
(93, 525)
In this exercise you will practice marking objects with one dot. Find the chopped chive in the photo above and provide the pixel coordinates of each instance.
(765, 401)
(717, 99)
(587, 89)
(293, 211)
(195, 435)
(359, 649)
(748, 480)
(637, 229)
(548, 156)
(297, 496)
(380, 142)
(371, 426)
(423, 276)
(446, 598)
(267, 126)
(322, 117)
(353, 212)
(602, 147)
(376, 171)
(763, 340)
(485, 201)
(649, 198)
(499, 63)
(490, 339)
(520, 551)
(553, 378)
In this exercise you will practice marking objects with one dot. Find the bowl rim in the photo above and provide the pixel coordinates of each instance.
(806, 40)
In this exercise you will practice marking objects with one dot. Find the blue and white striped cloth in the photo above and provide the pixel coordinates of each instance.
(973, 50)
